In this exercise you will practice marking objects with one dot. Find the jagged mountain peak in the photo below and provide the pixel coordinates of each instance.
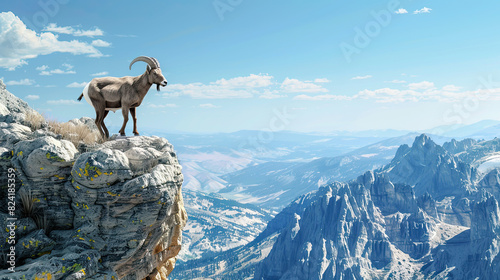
(430, 168)
(422, 140)
(456, 147)
(423, 149)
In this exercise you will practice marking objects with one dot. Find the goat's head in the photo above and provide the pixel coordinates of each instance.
(153, 69)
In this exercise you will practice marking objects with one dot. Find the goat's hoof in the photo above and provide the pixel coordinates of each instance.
(122, 134)
(136, 133)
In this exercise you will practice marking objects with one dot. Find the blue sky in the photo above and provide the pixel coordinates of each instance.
(240, 64)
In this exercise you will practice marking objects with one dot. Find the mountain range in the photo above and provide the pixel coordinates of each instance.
(430, 213)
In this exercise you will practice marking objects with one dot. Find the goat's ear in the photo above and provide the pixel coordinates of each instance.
(148, 68)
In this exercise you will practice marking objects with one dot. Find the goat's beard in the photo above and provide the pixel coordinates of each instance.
(158, 87)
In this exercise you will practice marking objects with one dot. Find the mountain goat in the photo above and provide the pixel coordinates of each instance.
(126, 93)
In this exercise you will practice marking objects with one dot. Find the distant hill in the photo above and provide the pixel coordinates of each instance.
(275, 184)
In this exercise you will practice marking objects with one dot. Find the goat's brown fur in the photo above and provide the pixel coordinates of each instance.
(125, 93)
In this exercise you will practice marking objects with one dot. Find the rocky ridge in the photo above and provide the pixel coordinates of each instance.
(418, 237)
(381, 226)
(109, 211)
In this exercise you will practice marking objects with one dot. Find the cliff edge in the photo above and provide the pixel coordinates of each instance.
(101, 211)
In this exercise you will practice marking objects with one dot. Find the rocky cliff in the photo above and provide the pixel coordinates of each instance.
(429, 214)
(102, 211)
(431, 169)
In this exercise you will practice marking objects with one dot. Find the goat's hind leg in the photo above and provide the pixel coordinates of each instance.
(104, 125)
(125, 120)
(98, 122)
(99, 106)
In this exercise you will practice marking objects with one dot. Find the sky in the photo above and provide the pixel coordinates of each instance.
(309, 66)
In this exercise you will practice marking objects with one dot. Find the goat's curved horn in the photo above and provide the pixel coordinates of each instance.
(156, 62)
(146, 59)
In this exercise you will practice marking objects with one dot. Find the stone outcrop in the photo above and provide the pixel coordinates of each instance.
(108, 211)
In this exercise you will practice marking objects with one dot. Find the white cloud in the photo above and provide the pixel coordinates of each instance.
(208, 105)
(322, 97)
(17, 43)
(77, 85)
(433, 94)
(421, 85)
(252, 81)
(416, 92)
(125, 36)
(270, 95)
(68, 66)
(162, 105)
(389, 95)
(321, 80)
(52, 27)
(100, 43)
(23, 82)
(397, 81)
(261, 86)
(361, 77)
(294, 85)
(239, 87)
(32, 97)
(401, 11)
(100, 74)
(424, 10)
(45, 72)
(451, 88)
(63, 102)
(59, 71)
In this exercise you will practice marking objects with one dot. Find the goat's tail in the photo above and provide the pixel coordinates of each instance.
(80, 98)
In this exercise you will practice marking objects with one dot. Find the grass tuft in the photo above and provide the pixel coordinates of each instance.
(28, 201)
(31, 210)
(42, 222)
(35, 120)
(75, 133)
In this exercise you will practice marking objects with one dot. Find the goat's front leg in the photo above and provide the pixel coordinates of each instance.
(125, 120)
(132, 112)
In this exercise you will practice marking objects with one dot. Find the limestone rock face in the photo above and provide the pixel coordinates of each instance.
(338, 236)
(113, 211)
(486, 219)
(491, 183)
(390, 197)
(411, 233)
(474, 254)
(12, 109)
